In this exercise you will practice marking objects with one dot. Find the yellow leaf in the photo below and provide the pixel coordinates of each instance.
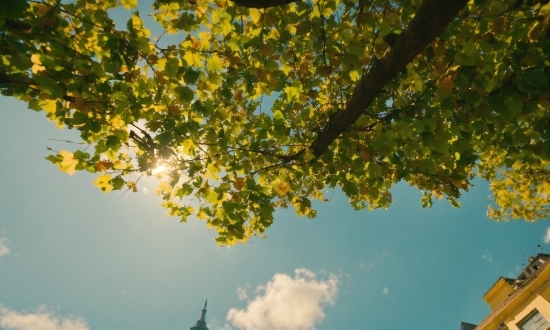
(192, 59)
(68, 163)
(161, 63)
(102, 182)
(292, 29)
(327, 11)
(281, 188)
(37, 68)
(111, 154)
(214, 64)
(354, 75)
(117, 122)
(214, 170)
(43, 9)
(35, 58)
(255, 15)
(227, 27)
(49, 105)
(213, 197)
(202, 215)
(119, 165)
(315, 13)
(163, 188)
(188, 146)
(129, 4)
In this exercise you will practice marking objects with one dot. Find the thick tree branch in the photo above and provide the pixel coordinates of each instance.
(432, 18)
(263, 3)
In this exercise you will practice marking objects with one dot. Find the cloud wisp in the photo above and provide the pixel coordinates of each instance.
(547, 236)
(385, 290)
(4, 250)
(487, 256)
(41, 319)
(287, 302)
(241, 292)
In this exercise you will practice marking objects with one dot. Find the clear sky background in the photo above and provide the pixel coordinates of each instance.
(76, 258)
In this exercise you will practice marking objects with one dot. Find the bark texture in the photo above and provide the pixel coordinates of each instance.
(432, 18)
(263, 3)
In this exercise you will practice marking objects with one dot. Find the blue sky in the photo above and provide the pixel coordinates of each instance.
(72, 257)
(102, 261)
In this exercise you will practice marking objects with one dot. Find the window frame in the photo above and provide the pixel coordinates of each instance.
(528, 318)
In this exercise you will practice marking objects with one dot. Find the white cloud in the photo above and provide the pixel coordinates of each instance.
(41, 319)
(287, 303)
(366, 266)
(385, 290)
(241, 292)
(547, 236)
(145, 190)
(487, 256)
(4, 250)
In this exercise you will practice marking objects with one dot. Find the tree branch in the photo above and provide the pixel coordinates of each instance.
(432, 18)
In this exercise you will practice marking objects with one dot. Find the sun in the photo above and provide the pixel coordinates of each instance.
(160, 169)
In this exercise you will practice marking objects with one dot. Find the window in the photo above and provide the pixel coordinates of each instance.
(534, 322)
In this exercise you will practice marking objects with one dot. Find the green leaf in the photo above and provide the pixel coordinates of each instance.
(426, 200)
(278, 116)
(142, 44)
(172, 66)
(349, 188)
(440, 146)
(13, 8)
(469, 48)
(465, 60)
(185, 93)
(190, 76)
(117, 183)
(49, 86)
(185, 190)
(537, 78)
(53, 159)
(514, 103)
(79, 119)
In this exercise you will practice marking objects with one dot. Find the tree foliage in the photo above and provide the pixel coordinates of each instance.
(266, 104)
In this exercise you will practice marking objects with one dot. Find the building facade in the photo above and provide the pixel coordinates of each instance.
(522, 303)
(201, 322)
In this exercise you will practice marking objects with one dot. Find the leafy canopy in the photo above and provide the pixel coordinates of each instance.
(470, 100)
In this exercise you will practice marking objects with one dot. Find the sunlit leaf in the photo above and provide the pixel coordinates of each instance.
(102, 182)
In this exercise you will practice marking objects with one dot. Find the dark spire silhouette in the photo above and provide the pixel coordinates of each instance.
(201, 322)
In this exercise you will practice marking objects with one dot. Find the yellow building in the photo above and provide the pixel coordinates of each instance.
(522, 303)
